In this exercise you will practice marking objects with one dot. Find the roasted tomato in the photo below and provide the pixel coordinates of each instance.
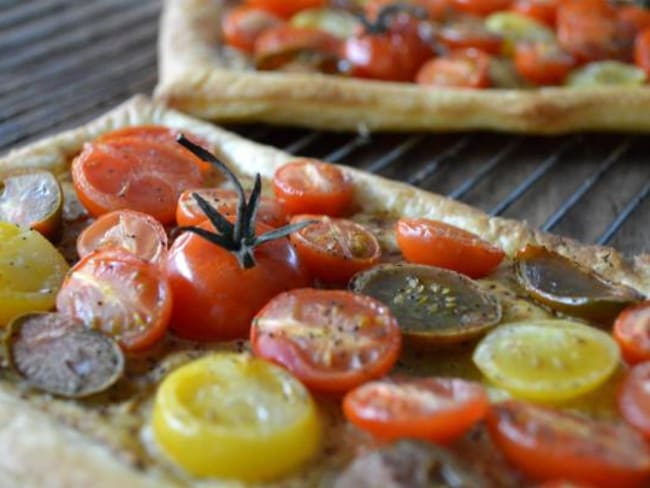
(235, 416)
(334, 249)
(285, 8)
(332, 340)
(243, 25)
(270, 211)
(138, 233)
(637, 17)
(469, 32)
(119, 294)
(134, 173)
(481, 7)
(435, 243)
(548, 444)
(543, 63)
(435, 9)
(310, 186)
(297, 49)
(434, 409)
(591, 31)
(632, 332)
(642, 51)
(634, 398)
(544, 11)
(468, 68)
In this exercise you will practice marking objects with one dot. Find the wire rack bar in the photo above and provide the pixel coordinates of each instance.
(434, 164)
(620, 219)
(394, 154)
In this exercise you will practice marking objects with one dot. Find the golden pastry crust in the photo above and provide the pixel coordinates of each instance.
(38, 450)
(199, 77)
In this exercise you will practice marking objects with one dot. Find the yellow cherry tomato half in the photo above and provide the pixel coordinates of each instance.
(547, 360)
(31, 272)
(233, 415)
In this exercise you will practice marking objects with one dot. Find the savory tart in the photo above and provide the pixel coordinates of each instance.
(211, 312)
(533, 66)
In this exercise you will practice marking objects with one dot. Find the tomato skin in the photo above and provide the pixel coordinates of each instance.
(632, 333)
(550, 444)
(482, 8)
(434, 409)
(270, 212)
(214, 298)
(435, 243)
(335, 249)
(332, 340)
(469, 68)
(542, 64)
(285, 8)
(133, 173)
(133, 231)
(636, 17)
(542, 10)
(120, 294)
(469, 33)
(642, 51)
(634, 398)
(591, 31)
(309, 186)
(243, 25)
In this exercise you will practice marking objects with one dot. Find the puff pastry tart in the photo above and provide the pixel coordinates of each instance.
(530, 66)
(204, 311)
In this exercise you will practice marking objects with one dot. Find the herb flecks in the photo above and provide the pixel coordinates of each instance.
(239, 237)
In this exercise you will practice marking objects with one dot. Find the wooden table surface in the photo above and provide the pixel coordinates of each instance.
(64, 62)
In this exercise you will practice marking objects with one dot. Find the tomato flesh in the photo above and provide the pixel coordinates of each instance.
(642, 51)
(243, 25)
(543, 63)
(632, 333)
(434, 409)
(541, 10)
(435, 243)
(634, 398)
(285, 8)
(331, 340)
(548, 444)
(469, 68)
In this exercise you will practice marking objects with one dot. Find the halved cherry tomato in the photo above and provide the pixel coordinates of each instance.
(469, 32)
(481, 7)
(243, 25)
(134, 173)
(468, 68)
(632, 332)
(435, 243)
(116, 292)
(309, 186)
(335, 249)
(543, 63)
(642, 51)
(434, 409)
(136, 232)
(436, 9)
(285, 8)
(549, 444)
(544, 11)
(590, 30)
(637, 17)
(634, 398)
(214, 297)
(299, 48)
(332, 340)
(270, 212)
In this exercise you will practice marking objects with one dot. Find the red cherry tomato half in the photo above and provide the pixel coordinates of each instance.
(468, 68)
(549, 444)
(434, 409)
(481, 7)
(465, 33)
(214, 297)
(544, 11)
(270, 212)
(285, 8)
(543, 63)
(435, 243)
(636, 17)
(634, 398)
(309, 186)
(335, 249)
(136, 232)
(119, 294)
(332, 340)
(632, 332)
(243, 25)
(133, 173)
(642, 51)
